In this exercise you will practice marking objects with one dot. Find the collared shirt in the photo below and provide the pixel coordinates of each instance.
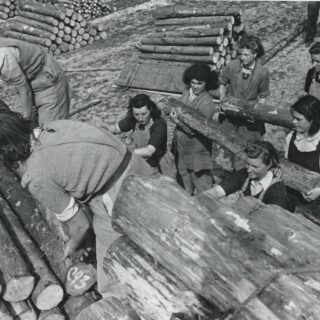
(257, 186)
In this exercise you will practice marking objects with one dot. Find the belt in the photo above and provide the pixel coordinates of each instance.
(113, 179)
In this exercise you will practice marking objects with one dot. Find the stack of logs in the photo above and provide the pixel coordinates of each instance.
(57, 29)
(90, 9)
(8, 9)
(193, 35)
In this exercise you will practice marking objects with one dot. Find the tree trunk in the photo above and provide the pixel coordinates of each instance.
(294, 175)
(211, 41)
(39, 18)
(191, 243)
(212, 20)
(47, 293)
(162, 294)
(37, 24)
(227, 26)
(45, 10)
(27, 37)
(52, 314)
(175, 57)
(189, 50)
(4, 312)
(23, 310)
(214, 32)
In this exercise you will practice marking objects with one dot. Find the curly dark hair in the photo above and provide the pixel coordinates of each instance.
(143, 100)
(201, 72)
(252, 43)
(309, 107)
(15, 137)
(264, 150)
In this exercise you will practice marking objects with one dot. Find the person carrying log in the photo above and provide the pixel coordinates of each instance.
(248, 80)
(303, 144)
(257, 179)
(192, 150)
(312, 83)
(149, 130)
(70, 162)
(42, 87)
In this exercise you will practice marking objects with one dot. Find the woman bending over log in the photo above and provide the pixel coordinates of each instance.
(303, 143)
(257, 178)
(148, 127)
(192, 151)
(70, 162)
(312, 83)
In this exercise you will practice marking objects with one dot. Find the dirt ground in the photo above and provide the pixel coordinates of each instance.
(271, 21)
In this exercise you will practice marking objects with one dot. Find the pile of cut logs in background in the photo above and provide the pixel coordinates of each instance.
(56, 29)
(193, 35)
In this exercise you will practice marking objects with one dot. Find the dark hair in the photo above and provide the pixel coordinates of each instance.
(15, 136)
(315, 48)
(143, 100)
(264, 150)
(201, 72)
(252, 43)
(309, 107)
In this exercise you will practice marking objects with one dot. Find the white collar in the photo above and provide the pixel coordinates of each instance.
(314, 138)
(35, 137)
(257, 186)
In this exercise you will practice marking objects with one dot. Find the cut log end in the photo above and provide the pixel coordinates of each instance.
(50, 297)
(18, 289)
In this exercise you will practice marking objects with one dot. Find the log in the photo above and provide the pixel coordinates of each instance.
(153, 291)
(214, 32)
(294, 175)
(4, 9)
(227, 26)
(48, 293)
(26, 29)
(23, 310)
(53, 314)
(4, 15)
(212, 20)
(191, 243)
(258, 111)
(18, 280)
(189, 50)
(165, 12)
(40, 18)
(211, 41)
(4, 312)
(45, 10)
(175, 57)
(27, 37)
(37, 24)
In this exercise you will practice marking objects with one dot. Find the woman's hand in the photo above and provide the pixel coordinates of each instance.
(277, 172)
(312, 194)
(174, 116)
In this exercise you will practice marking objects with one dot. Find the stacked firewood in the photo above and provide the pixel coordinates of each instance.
(56, 29)
(8, 9)
(190, 35)
(90, 9)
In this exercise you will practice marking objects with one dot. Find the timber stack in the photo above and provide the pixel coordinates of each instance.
(56, 29)
(191, 35)
(8, 9)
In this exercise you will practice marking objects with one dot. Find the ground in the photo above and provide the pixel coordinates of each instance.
(272, 21)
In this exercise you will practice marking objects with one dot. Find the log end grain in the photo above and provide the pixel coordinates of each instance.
(52, 314)
(18, 289)
(50, 297)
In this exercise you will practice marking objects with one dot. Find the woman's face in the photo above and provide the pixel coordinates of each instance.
(142, 115)
(300, 123)
(256, 168)
(247, 56)
(197, 86)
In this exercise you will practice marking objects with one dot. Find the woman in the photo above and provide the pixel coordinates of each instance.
(192, 151)
(149, 129)
(67, 163)
(257, 178)
(302, 144)
(312, 83)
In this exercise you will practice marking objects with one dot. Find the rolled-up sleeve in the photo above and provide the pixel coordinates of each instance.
(264, 85)
(10, 70)
(158, 134)
(225, 76)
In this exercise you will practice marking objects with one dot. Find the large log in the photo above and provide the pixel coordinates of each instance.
(37, 24)
(52, 314)
(212, 20)
(190, 32)
(294, 175)
(4, 312)
(43, 9)
(191, 243)
(228, 26)
(48, 293)
(258, 111)
(152, 290)
(176, 11)
(18, 280)
(211, 41)
(40, 18)
(27, 37)
(175, 57)
(23, 310)
(188, 50)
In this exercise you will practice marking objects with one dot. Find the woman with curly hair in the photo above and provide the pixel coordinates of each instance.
(192, 150)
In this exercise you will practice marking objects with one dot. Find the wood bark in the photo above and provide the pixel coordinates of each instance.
(52, 314)
(214, 32)
(227, 26)
(40, 18)
(294, 175)
(258, 111)
(37, 24)
(212, 20)
(189, 50)
(27, 37)
(175, 57)
(4, 15)
(175, 11)
(42, 9)
(211, 41)
(23, 310)
(152, 291)
(48, 293)
(4, 312)
(192, 244)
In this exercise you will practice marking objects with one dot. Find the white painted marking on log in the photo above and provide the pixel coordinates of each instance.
(313, 284)
(217, 227)
(275, 111)
(290, 306)
(239, 221)
(276, 252)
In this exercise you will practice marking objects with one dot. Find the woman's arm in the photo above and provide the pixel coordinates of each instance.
(145, 152)
(114, 128)
(25, 94)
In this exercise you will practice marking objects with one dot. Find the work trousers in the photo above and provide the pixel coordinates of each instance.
(313, 13)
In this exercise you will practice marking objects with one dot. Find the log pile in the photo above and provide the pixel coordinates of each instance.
(8, 9)
(56, 29)
(193, 35)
